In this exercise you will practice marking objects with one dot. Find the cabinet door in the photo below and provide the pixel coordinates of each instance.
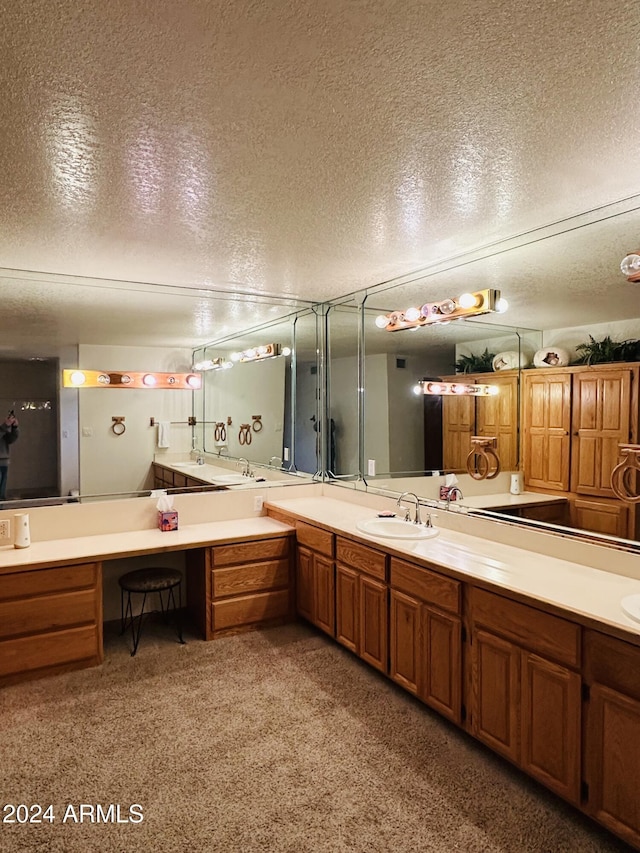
(404, 640)
(550, 725)
(457, 421)
(496, 693)
(498, 416)
(304, 583)
(601, 421)
(324, 594)
(610, 517)
(546, 425)
(613, 756)
(347, 608)
(374, 629)
(441, 672)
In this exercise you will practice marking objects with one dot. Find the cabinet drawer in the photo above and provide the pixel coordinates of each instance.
(537, 631)
(43, 581)
(426, 585)
(243, 610)
(612, 662)
(236, 580)
(362, 558)
(315, 538)
(249, 552)
(30, 653)
(47, 613)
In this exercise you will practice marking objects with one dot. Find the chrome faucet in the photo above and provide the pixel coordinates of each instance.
(200, 456)
(454, 490)
(247, 472)
(417, 519)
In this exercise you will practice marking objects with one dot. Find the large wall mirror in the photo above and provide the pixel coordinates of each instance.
(67, 448)
(565, 289)
(259, 397)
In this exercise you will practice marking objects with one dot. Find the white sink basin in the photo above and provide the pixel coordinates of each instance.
(230, 479)
(395, 528)
(631, 606)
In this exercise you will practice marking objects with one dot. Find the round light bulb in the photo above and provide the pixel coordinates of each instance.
(226, 365)
(501, 305)
(193, 381)
(434, 388)
(263, 350)
(78, 378)
(417, 389)
(447, 306)
(104, 379)
(235, 356)
(492, 390)
(125, 379)
(286, 351)
(149, 380)
(412, 314)
(425, 310)
(468, 300)
(250, 353)
(631, 264)
(382, 321)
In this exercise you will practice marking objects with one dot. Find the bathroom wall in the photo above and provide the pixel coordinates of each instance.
(111, 463)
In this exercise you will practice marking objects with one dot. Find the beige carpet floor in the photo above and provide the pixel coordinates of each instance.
(277, 740)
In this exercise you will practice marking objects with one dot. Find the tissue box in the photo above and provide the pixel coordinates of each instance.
(168, 520)
(444, 493)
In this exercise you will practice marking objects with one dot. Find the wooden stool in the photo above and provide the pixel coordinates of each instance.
(145, 582)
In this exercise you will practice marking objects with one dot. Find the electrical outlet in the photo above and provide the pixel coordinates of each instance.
(5, 529)
(257, 503)
(371, 467)
(286, 454)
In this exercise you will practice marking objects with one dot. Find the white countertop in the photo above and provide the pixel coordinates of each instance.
(577, 589)
(506, 499)
(229, 478)
(112, 545)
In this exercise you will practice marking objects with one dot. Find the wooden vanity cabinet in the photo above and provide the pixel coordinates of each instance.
(612, 739)
(362, 602)
(240, 586)
(315, 576)
(525, 700)
(50, 620)
(425, 631)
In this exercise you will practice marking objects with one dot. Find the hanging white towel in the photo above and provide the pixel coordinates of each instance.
(164, 434)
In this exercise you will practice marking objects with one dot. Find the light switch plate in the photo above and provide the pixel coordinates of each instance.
(5, 529)
(257, 503)
(371, 467)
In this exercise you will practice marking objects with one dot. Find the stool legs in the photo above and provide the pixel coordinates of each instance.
(127, 617)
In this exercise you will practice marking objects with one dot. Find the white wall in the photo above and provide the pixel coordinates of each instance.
(111, 463)
(250, 388)
(569, 338)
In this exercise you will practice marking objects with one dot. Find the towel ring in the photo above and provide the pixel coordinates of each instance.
(244, 436)
(623, 471)
(217, 432)
(257, 423)
(118, 427)
(482, 461)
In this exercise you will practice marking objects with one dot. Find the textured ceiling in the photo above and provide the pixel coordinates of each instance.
(306, 150)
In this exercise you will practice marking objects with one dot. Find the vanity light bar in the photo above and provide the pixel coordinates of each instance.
(261, 353)
(455, 388)
(466, 305)
(213, 364)
(130, 379)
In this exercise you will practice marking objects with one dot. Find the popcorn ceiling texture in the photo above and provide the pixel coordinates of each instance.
(272, 741)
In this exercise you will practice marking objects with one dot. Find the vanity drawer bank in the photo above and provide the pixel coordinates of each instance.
(530, 654)
(51, 593)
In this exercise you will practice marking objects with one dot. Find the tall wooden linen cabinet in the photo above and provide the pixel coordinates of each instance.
(573, 420)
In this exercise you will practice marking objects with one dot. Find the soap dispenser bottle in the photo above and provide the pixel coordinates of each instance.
(23, 535)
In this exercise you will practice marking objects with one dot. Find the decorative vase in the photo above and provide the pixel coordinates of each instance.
(551, 357)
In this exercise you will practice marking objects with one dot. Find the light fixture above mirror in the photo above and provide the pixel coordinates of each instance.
(130, 379)
(466, 305)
